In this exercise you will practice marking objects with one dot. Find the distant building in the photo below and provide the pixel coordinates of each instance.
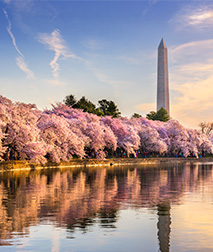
(163, 78)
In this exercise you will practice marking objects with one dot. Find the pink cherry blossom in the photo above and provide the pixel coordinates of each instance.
(62, 132)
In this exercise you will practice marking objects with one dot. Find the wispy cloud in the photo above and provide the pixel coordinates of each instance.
(23, 66)
(115, 83)
(138, 57)
(150, 4)
(11, 34)
(191, 49)
(55, 43)
(19, 60)
(201, 17)
(191, 80)
(106, 78)
(92, 44)
(6, 1)
(195, 103)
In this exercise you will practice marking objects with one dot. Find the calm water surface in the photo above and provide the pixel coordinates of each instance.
(128, 209)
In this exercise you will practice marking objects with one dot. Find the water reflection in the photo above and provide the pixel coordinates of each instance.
(77, 199)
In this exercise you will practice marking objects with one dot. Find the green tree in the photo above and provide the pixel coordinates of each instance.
(86, 105)
(83, 103)
(70, 100)
(161, 115)
(151, 115)
(105, 107)
(109, 108)
(136, 115)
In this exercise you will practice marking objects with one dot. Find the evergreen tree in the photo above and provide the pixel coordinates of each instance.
(161, 115)
(86, 105)
(151, 115)
(70, 100)
(83, 103)
(136, 115)
(109, 108)
(105, 107)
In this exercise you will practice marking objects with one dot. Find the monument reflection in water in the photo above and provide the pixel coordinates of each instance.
(158, 208)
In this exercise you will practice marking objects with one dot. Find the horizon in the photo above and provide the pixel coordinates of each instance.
(108, 50)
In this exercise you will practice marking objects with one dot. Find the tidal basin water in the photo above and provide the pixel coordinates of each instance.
(127, 208)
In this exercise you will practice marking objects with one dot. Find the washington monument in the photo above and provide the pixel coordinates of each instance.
(163, 78)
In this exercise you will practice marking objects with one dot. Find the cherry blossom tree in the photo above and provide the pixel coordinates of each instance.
(61, 142)
(63, 132)
(21, 133)
(127, 138)
(178, 138)
(88, 127)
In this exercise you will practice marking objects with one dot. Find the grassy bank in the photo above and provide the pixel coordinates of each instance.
(25, 165)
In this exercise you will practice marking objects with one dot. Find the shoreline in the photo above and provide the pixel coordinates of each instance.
(19, 165)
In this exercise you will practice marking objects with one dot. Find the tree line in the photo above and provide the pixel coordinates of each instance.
(63, 132)
(105, 107)
(109, 108)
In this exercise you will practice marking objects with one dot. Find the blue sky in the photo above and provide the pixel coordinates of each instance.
(108, 49)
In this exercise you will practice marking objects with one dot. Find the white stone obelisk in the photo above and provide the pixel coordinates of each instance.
(163, 78)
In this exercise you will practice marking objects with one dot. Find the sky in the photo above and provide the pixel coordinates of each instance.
(108, 50)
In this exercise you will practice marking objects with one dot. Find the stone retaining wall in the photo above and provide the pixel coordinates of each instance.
(25, 165)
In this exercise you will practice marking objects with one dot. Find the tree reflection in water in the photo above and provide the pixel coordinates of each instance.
(79, 198)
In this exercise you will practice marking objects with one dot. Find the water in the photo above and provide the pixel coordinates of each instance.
(135, 208)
